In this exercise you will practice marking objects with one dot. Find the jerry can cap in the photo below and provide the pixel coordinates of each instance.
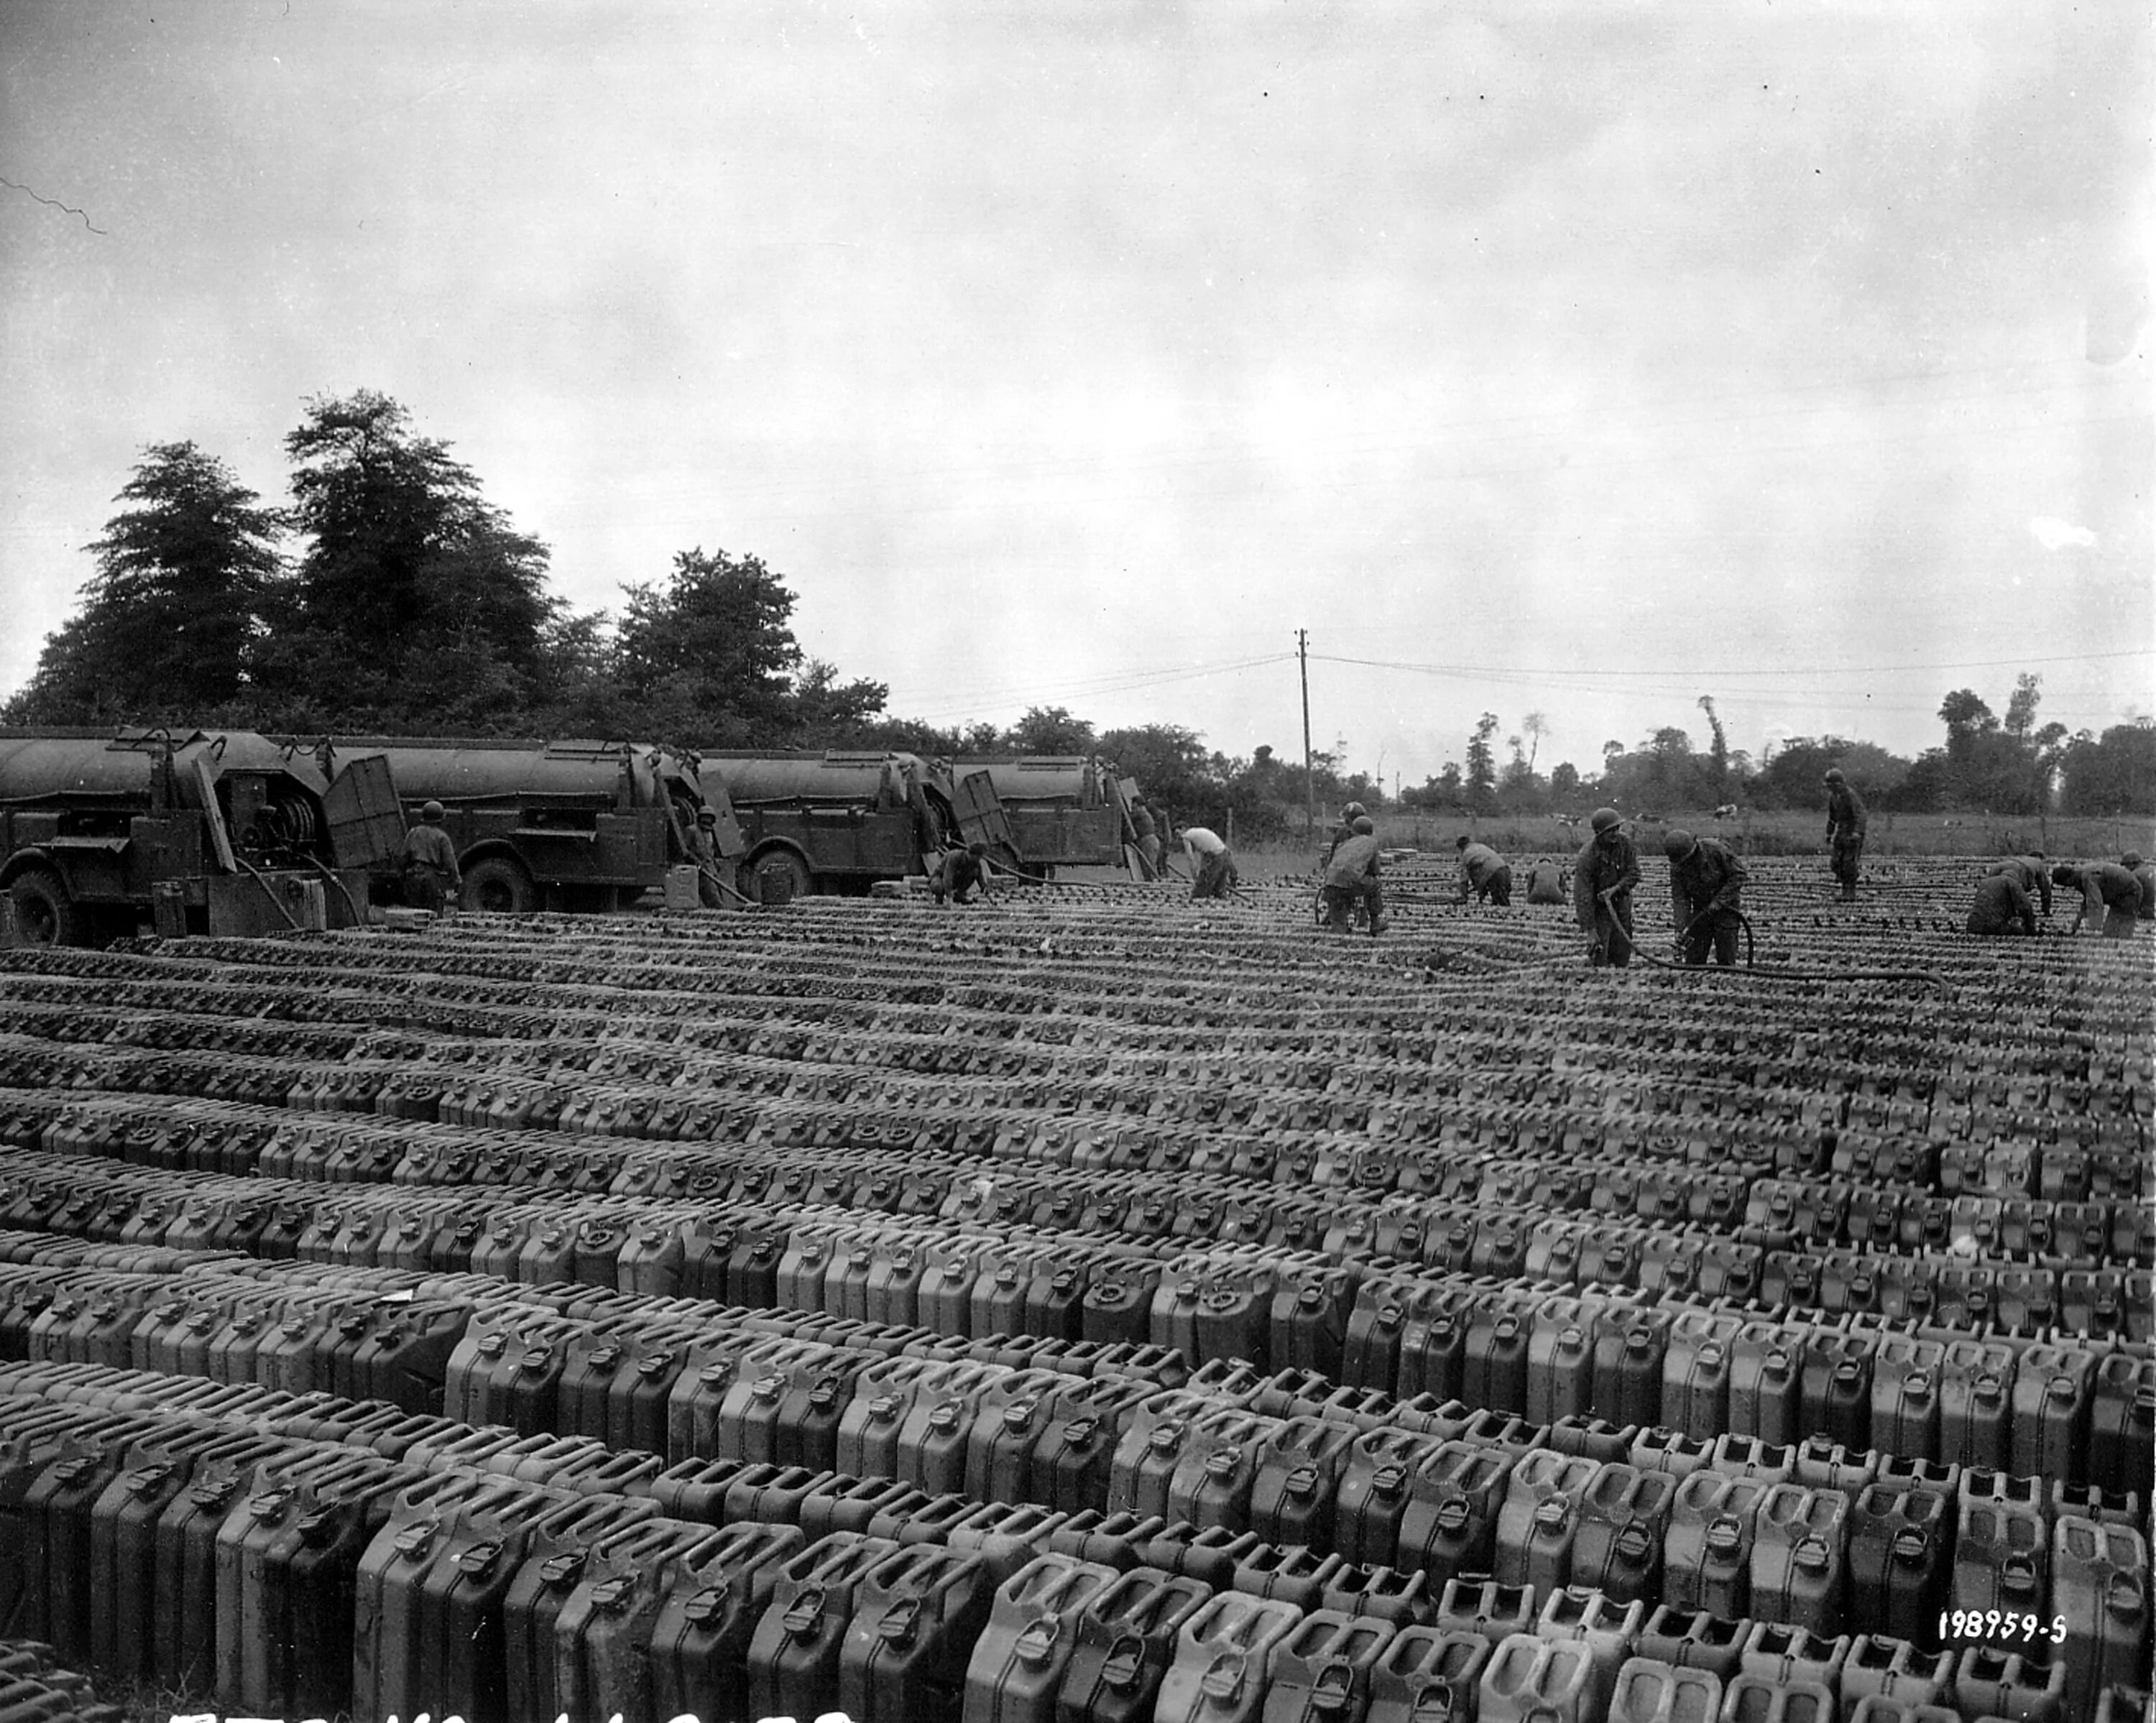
(708, 1604)
(805, 1615)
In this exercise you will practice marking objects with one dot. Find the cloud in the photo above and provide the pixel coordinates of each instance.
(2054, 534)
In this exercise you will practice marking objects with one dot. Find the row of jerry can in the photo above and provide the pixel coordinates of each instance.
(291, 1574)
(36, 1687)
(2053, 1235)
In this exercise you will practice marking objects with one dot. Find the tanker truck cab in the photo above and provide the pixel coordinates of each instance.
(220, 834)
(564, 824)
(839, 821)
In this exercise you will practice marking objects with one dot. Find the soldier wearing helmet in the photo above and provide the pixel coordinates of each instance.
(1350, 878)
(1845, 830)
(704, 852)
(1342, 832)
(1603, 876)
(432, 877)
(1706, 880)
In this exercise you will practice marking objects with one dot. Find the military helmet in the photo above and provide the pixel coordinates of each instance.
(709, 816)
(1677, 844)
(1605, 819)
(1353, 810)
(2131, 859)
(1834, 775)
(1364, 825)
(432, 810)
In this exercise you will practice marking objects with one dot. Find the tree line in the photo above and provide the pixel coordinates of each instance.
(390, 595)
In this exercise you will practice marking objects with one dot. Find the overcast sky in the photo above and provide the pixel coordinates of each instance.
(1580, 358)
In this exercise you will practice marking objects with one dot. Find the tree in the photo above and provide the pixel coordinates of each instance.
(2021, 707)
(1482, 766)
(707, 657)
(1966, 717)
(829, 713)
(1718, 759)
(1564, 781)
(1051, 730)
(2114, 773)
(1168, 761)
(1536, 725)
(416, 598)
(170, 620)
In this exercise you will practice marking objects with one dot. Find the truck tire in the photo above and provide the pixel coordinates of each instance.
(45, 915)
(499, 885)
(785, 862)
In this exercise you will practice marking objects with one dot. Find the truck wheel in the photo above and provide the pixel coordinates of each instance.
(45, 914)
(500, 886)
(785, 864)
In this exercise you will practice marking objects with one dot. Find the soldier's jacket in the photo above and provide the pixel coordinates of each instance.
(2000, 902)
(1545, 883)
(1355, 860)
(2029, 873)
(1602, 867)
(429, 847)
(2107, 886)
(1708, 880)
(1845, 812)
(1477, 863)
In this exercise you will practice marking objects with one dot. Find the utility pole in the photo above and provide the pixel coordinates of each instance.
(1309, 782)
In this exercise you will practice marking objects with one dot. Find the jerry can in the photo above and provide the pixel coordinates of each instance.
(124, 1600)
(603, 1630)
(1074, 1461)
(1494, 1373)
(1821, 1462)
(1695, 1374)
(1878, 1666)
(1120, 1540)
(1475, 1604)
(1629, 1347)
(1387, 1594)
(2122, 1423)
(1735, 1456)
(2001, 1558)
(1449, 1524)
(1755, 1699)
(1899, 1564)
(1694, 1638)
(1153, 1446)
(1654, 1449)
(1905, 1396)
(1005, 1535)
(1433, 1350)
(1294, 1573)
(388, 1615)
(915, 1616)
(522, 1581)
(2100, 1593)
(1589, 1437)
(1976, 1397)
(1560, 1374)
(1372, 1494)
(1797, 1557)
(1777, 1653)
(1609, 1631)
(794, 1650)
(1548, 1680)
(2052, 1392)
(1370, 1355)
(1125, 1639)
(1016, 1667)
(51, 1556)
(1296, 1476)
(1765, 1381)
(873, 1420)
(1539, 1519)
(1223, 1660)
(1427, 1675)
(709, 1604)
(1623, 1519)
(1012, 1413)
(1835, 1396)
(1213, 1484)
(1648, 1691)
(1989, 1682)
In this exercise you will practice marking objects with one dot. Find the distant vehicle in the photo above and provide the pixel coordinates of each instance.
(219, 833)
(838, 822)
(571, 824)
(1065, 810)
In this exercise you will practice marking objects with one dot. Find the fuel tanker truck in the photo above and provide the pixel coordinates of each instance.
(562, 824)
(838, 822)
(1065, 810)
(219, 832)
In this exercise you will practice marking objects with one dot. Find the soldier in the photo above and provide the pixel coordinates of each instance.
(1211, 860)
(1342, 832)
(959, 872)
(704, 852)
(2108, 891)
(2145, 872)
(1146, 831)
(1706, 880)
(1483, 872)
(1845, 830)
(2002, 903)
(1350, 878)
(431, 874)
(2031, 873)
(1603, 876)
(1545, 882)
